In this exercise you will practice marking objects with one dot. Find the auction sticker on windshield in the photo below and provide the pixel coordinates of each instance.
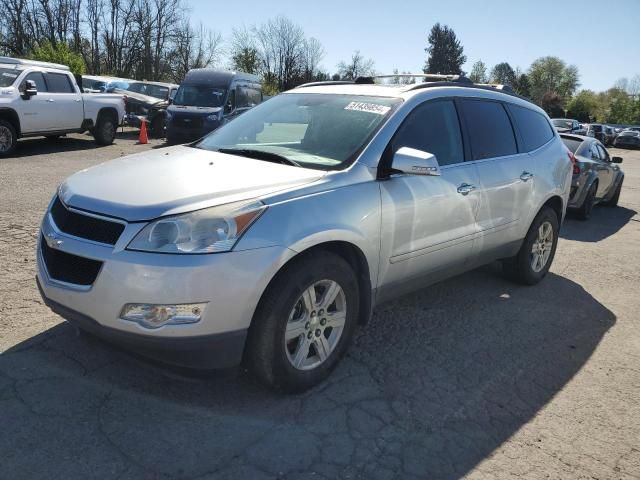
(368, 107)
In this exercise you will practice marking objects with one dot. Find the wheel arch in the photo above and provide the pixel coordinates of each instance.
(12, 117)
(556, 204)
(353, 255)
(111, 111)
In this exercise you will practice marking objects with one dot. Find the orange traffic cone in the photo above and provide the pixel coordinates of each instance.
(143, 139)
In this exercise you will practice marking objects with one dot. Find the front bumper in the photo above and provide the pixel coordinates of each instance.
(230, 284)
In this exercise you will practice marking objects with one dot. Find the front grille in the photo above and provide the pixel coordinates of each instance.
(84, 226)
(187, 122)
(68, 268)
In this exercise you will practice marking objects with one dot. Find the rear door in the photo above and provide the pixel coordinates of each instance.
(506, 181)
(429, 222)
(67, 112)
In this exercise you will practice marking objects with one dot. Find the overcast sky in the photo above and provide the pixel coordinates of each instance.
(602, 38)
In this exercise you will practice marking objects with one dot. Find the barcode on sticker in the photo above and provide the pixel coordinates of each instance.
(368, 107)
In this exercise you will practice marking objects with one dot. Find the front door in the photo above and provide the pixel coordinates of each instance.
(428, 222)
(35, 111)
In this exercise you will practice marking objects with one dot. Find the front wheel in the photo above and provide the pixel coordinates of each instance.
(8, 138)
(613, 201)
(584, 212)
(304, 323)
(535, 256)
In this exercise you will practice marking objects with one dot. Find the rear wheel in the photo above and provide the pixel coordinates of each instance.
(584, 212)
(535, 256)
(8, 138)
(104, 132)
(304, 323)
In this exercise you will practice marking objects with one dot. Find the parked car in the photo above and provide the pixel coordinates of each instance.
(148, 101)
(207, 99)
(273, 237)
(596, 176)
(99, 84)
(568, 125)
(627, 139)
(609, 135)
(596, 130)
(43, 99)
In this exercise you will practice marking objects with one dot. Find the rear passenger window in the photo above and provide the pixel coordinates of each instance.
(433, 127)
(490, 130)
(533, 127)
(58, 83)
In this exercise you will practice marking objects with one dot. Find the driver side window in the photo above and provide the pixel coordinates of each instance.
(603, 153)
(433, 127)
(38, 78)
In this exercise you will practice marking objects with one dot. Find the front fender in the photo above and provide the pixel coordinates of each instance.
(349, 214)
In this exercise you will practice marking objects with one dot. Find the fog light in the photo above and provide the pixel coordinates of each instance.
(155, 316)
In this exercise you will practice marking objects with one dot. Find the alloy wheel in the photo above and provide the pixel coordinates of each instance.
(5, 139)
(315, 325)
(542, 246)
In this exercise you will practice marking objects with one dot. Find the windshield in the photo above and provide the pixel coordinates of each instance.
(156, 91)
(8, 76)
(629, 133)
(199, 96)
(314, 130)
(562, 123)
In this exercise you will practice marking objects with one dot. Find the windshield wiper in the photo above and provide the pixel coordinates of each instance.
(260, 155)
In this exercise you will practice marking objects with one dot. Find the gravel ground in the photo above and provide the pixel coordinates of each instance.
(474, 377)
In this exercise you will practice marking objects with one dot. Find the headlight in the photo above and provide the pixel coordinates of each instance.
(210, 230)
(214, 116)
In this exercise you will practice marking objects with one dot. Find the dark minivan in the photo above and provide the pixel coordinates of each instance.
(207, 99)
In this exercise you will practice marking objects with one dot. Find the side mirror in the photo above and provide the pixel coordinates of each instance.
(616, 159)
(415, 162)
(30, 89)
(228, 108)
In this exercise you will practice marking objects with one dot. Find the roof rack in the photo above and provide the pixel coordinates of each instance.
(428, 77)
(326, 82)
(33, 63)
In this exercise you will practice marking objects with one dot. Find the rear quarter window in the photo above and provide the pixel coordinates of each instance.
(534, 128)
(489, 129)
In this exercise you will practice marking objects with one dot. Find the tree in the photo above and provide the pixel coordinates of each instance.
(503, 74)
(244, 51)
(522, 85)
(358, 66)
(59, 53)
(446, 54)
(553, 104)
(194, 48)
(549, 76)
(479, 72)
(583, 106)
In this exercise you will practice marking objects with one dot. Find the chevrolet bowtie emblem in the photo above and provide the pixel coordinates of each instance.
(52, 240)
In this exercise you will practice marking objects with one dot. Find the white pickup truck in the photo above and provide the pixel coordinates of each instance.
(43, 99)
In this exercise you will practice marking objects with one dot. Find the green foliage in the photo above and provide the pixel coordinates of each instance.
(446, 54)
(553, 104)
(503, 73)
(522, 86)
(583, 106)
(246, 59)
(59, 53)
(478, 72)
(552, 76)
(270, 88)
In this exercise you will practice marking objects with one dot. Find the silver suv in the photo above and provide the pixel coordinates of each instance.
(272, 238)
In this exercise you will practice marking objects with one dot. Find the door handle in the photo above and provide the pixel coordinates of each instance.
(77, 100)
(466, 188)
(50, 100)
(526, 176)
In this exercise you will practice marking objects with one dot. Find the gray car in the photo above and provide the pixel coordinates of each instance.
(596, 176)
(274, 237)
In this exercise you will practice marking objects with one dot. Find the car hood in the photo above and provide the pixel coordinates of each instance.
(142, 98)
(176, 180)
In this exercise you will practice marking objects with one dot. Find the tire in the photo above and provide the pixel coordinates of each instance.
(52, 138)
(104, 132)
(296, 364)
(584, 212)
(157, 127)
(8, 138)
(520, 267)
(613, 201)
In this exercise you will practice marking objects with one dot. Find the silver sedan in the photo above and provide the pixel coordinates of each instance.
(597, 178)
